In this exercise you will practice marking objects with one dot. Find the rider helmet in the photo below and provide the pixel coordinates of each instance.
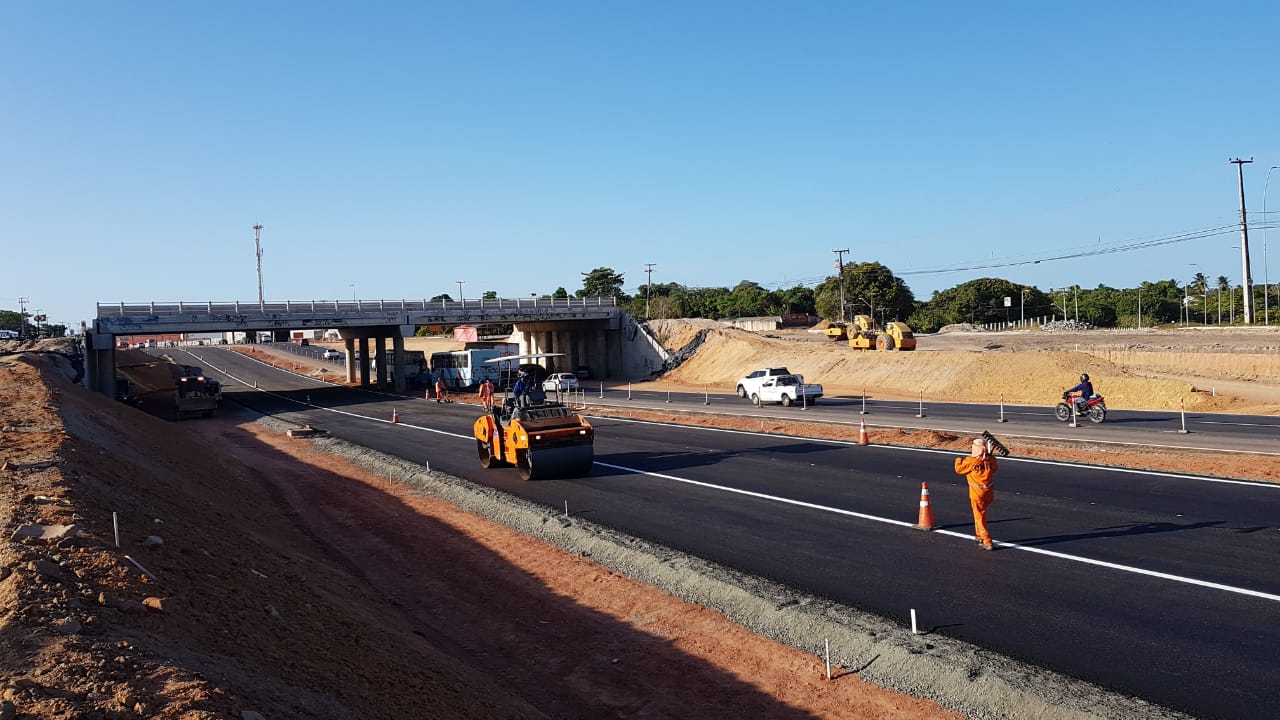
(1084, 377)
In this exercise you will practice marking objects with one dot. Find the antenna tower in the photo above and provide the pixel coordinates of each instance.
(257, 251)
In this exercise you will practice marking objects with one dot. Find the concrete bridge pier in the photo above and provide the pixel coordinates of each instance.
(100, 363)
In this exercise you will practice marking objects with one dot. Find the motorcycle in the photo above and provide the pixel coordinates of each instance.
(1094, 408)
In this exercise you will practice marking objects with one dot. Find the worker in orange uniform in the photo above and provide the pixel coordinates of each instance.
(486, 394)
(980, 469)
(442, 392)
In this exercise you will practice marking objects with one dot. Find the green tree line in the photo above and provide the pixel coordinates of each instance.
(871, 288)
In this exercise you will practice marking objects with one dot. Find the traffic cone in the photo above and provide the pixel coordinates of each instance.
(863, 439)
(926, 510)
(395, 417)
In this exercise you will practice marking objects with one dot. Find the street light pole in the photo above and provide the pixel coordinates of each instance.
(460, 282)
(1266, 281)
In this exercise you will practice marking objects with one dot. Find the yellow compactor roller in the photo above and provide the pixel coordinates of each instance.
(542, 438)
(865, 335)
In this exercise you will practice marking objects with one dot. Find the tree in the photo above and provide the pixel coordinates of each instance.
(10, 320)
(442, 296)
(869, 288)
(489, 295)
(602, 282)
(560, 294)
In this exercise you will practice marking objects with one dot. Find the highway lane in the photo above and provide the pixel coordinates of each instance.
(1251, 433)
(1205, 649)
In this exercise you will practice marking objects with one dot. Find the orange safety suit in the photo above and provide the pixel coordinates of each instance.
(980, 471)
(486, 394)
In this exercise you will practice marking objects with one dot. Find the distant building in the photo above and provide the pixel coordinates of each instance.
(755, 324)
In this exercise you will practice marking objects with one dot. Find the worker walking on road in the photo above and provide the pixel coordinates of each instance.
(980, 469)
(486, 394)
(442, 392)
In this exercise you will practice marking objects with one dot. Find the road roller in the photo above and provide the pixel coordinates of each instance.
(542, 438)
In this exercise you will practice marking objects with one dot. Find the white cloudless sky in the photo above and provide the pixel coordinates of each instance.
(402, 147)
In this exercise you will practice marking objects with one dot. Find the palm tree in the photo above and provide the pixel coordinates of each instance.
(1224, 283)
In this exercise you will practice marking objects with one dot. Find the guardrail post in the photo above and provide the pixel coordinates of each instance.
(210, 307)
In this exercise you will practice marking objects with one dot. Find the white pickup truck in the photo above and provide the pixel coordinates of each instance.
(778, 385)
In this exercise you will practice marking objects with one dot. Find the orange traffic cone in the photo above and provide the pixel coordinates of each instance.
(863, 439)
(395, 417)
(926, 510)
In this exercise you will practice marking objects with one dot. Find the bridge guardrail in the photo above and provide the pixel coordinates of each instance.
(313, 307)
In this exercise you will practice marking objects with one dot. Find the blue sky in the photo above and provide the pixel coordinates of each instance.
(515, 145)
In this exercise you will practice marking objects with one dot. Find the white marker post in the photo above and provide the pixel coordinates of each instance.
(706, 395)
(921, 413)
(115, 524)
(914, 630)
(1002, 409)
(628, 389)
(864, 400)
(1182, 410)
(827, 643)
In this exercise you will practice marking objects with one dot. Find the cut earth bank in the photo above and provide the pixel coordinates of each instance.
(296, 584)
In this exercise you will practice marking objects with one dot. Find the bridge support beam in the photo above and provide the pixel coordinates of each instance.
(349, 344)
(399, 374)
(100, 359)
(364, 361)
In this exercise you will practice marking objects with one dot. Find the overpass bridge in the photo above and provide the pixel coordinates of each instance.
(589, 331)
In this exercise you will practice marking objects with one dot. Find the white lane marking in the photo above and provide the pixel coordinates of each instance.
(907, 448)
(1237, 424)
(839, 511)
(966, 537)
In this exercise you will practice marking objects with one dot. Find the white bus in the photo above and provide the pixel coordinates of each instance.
(467, 368)
(8, 334)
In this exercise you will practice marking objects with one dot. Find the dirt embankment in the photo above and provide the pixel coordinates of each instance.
(255, 575)
(1231, 371)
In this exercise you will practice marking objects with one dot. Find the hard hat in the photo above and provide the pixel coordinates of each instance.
(1084, 377)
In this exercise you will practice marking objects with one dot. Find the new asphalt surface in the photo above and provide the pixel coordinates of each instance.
(1157, 585)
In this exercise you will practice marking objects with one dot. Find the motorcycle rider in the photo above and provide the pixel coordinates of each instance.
(1085, 388)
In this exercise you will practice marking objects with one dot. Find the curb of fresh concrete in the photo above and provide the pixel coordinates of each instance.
(978, 683)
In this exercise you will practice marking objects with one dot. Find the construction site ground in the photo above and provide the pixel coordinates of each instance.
(261, 574)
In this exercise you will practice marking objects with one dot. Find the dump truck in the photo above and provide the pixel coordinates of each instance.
(866, 334)
(542, 438)
(196, 394)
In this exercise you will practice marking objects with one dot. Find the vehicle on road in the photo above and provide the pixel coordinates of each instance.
(560, 382)
(196, 394)
(542, 438)
(467, 368)
(332, 354)
(754, 379)
(786, 389)
(1094, 408)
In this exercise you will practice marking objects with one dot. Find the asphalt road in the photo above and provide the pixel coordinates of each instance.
(1157, 585)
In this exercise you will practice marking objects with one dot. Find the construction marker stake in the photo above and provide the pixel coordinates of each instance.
(914, 630)
(628, 389)
(827, 642)
(864, 401)
(115, 524)
(1002, 409)
(921, 413)
(1182, 410)
(566, 508)
(706, 395)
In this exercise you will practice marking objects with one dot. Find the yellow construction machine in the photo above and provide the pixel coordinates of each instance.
(542, 438)
(837, 331)
(866, 334)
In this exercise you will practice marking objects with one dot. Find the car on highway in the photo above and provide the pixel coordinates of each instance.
(560, 382)
(332, 354)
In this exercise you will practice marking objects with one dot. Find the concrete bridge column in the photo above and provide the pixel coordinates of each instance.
(364, 361)
(100, 356)
(599, 357)
(397, 345)
(380, 359)
(349, 344)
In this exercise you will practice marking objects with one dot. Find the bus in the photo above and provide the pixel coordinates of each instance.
(8, 334)
(467, 368)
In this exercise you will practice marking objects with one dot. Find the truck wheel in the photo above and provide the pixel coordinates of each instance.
(742, 392)
(755, 399)
(786, 401)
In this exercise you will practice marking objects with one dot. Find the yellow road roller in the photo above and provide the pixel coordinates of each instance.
(542, 438)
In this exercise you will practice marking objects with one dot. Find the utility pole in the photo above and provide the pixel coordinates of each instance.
(840, 274)
(460, 282)
(648, 268)
(1244, 244)
(257, 251)
(22, 316)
